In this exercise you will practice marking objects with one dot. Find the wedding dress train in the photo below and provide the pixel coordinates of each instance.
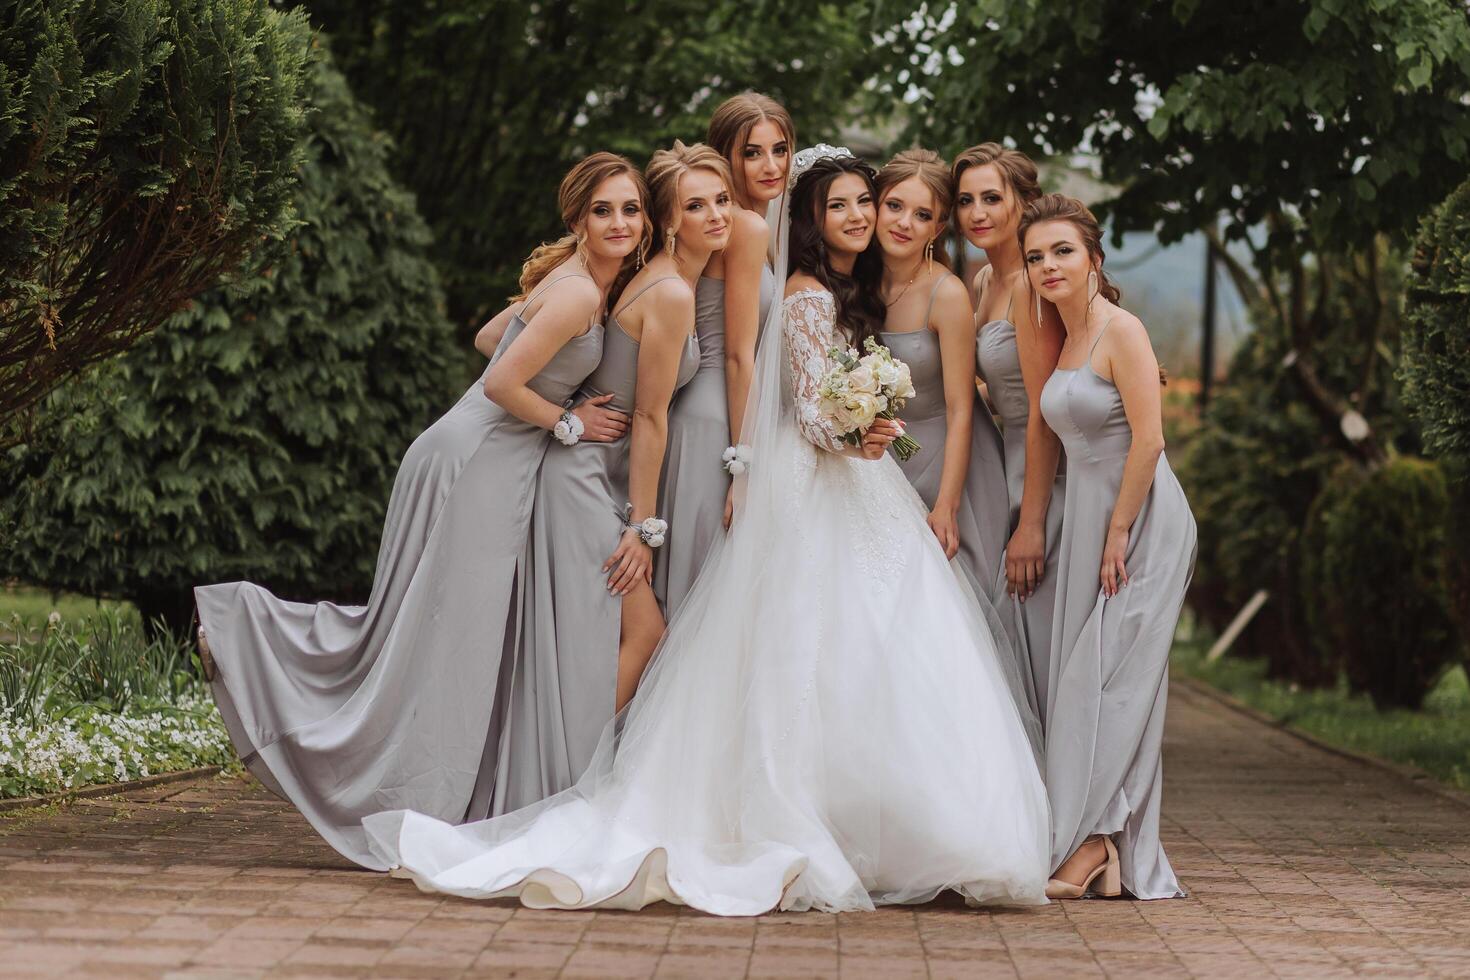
(826, 724)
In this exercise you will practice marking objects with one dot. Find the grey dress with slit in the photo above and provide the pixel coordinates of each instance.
(1110, 656)
(692, 491)
(562, 682)
(1028, 623)
(350, 710)
(981, 519)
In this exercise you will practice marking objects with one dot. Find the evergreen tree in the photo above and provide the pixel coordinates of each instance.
(256, 435)
(146, 148)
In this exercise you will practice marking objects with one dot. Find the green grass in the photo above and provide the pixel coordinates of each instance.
(34, 605)
(1436, 739)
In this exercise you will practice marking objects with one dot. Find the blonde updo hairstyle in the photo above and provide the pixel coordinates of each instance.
(574, 199)
(929, 167)
(665, 168)
(730, 126)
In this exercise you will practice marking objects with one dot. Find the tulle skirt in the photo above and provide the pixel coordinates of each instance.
(826, 725)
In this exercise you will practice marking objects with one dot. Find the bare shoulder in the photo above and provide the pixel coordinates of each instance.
(951, 290)
(1127, 334)
(748, 227)
(569, 299)
(668, 301)
(979, 283)
(671, 295)
(572, 292)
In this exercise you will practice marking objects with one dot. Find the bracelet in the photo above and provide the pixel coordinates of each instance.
(736, 459)
(651, 530)
(568, 429)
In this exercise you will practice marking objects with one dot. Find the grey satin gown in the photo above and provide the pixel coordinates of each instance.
(350, 710)
(694, 483)
(1028, 624)
(983, 507)
(1110, 657)
(562, 683)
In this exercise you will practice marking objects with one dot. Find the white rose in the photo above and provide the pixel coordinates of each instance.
(837, 412)
(888, 373)
(863, 408)
(903, 385)
(862, 380)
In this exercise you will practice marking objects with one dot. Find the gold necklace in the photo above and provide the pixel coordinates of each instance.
(913, 279)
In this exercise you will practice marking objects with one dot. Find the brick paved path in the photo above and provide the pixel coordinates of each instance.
(1300, 863)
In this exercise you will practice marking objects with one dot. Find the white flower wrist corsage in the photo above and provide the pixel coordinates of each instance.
(568, 429)
(736, 459)
(651, 530)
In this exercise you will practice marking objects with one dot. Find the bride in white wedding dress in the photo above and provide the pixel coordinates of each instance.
(826, 724)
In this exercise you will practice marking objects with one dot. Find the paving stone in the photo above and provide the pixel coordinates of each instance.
(1299, 863)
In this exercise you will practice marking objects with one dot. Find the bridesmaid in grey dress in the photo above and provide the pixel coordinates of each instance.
(695, 482)
(1015, 353)
(755, 135)
(1126, 554)
(346, 710)
(591, 621)
(959, 472)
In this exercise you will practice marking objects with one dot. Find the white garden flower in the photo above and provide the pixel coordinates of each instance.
(863, 379)
(864, 409)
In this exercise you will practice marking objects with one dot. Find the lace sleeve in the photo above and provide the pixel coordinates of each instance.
(810, 330)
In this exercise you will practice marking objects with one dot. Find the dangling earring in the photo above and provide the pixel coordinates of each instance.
(929, 255)
(1092, 290)
(1038, 311)
(581, 247)
(671, 241)
(642, 247)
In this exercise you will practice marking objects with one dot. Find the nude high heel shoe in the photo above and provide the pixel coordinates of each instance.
(1109, 887)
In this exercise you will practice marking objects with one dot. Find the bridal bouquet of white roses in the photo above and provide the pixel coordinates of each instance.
(860, 389)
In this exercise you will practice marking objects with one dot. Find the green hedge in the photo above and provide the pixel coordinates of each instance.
(257, 435)
(1435, 370)
(1376, 587)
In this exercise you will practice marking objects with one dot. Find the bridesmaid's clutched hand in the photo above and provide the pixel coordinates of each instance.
(601, 424)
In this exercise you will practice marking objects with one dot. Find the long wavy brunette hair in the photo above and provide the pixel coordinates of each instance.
(859, 296)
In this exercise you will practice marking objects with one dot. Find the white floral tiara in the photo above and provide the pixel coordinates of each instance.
(805, 158)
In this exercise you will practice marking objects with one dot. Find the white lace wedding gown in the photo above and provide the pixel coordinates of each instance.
(825, 726)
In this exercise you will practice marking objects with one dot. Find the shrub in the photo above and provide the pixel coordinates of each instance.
(146, 147)
(1318, 583)
(1435, 366)
(257, 435)
(1379, 580)
(1435, 370)
(1251, 473)
(1263, 454)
